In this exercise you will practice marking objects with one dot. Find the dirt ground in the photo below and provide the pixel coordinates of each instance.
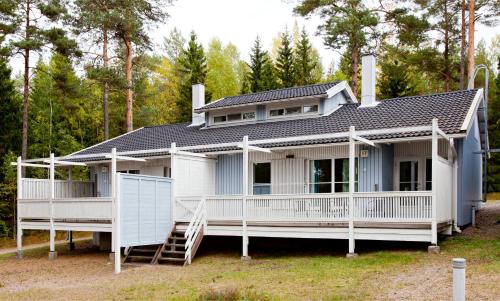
(295, 270)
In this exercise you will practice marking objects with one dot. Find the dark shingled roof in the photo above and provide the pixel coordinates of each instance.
(259, 97)
(450, 108)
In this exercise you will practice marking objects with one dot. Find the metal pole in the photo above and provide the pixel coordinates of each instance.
(458, 279)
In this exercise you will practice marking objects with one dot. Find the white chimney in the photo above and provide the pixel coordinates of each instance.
(198, 102)
(368, 80)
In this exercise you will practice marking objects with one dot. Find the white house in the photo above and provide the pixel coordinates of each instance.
(302, 162)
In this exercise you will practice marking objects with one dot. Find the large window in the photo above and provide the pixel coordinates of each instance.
(236, 117)
(328, 175)
(428, 174)
(295, 110)
(262, 178)
(320, 176)
(342, 175)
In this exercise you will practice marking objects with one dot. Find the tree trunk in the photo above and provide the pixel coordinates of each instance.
(470, 52)
(355, 67)
(446, 52)
(462, 46)
(105, 62)
(128, 72)
(26, 91)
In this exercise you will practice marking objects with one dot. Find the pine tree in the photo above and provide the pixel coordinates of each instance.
(193, 69)
(10, 112)
(285, 62)
(304, 64)
(27, 26)
(394, 80)
(262, 75)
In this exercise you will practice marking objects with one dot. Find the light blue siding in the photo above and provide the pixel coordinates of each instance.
(469, 175)
(261, 112)
(102, 178)
(229, 174)
(329, 104)
(146, 216)
(375, 171)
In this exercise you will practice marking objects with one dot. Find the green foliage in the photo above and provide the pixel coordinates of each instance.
(193, 70)
(262, 75)
(10, 112)
(394, 79)
(306, 61)
(222, 65)
(285, 62)
(494, 131)
(8, 192)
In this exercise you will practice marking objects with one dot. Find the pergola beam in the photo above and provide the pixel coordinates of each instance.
(124, 158)
(30, 164)
(66, 163)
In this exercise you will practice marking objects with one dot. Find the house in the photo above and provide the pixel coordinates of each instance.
(302, 162)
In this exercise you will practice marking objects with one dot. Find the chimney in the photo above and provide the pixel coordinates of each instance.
(198, 102)
(368, 80)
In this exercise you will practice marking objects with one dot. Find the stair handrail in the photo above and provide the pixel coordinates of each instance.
(196, 224)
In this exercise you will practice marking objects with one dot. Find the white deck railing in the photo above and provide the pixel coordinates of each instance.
(196, 225)
(40, 188)
(66, 208)
(414, 206)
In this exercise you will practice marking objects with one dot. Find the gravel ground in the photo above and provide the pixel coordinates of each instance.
(87, 274)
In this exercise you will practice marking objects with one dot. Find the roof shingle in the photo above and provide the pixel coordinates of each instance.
(449, 108)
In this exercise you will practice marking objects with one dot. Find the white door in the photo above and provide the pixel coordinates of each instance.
(408, 174)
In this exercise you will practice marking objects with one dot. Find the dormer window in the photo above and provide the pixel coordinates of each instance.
(234, 117)
(293, 110)
(311, 109)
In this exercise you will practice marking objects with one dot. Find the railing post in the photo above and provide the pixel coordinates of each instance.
(434, 181)
(244, 201)
(115, 193)
(459, 279)
(173, 175)
(352, 153)
(52, 235)
(19, 233)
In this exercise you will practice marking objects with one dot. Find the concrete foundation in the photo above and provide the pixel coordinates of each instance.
(246, 258)
(351, 255)
(19, 255)
(102, 240)
(112, 256)
(433, 249)
(52, 255)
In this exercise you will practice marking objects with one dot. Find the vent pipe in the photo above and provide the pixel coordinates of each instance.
(368, 80)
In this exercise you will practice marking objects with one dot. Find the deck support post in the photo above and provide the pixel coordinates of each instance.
(434, 180)
(352, 153)
(52, 234)
(116, 216)
(244, 201)
(19, 233)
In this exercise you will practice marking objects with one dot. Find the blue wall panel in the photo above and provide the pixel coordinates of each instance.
(229, 174)
(375, 171)
(261, 112)
(469, 175)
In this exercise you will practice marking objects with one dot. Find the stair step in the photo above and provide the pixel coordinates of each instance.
(143, 251)
(174, 245)
(140, 257)
(172, 259)
(174, 252)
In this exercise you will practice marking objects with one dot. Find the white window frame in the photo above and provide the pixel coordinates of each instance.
(285, 107)
(333, 182)
(241, 120)
(420, 170)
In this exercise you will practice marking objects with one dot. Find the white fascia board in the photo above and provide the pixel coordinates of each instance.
(340, 87)
(469, 118)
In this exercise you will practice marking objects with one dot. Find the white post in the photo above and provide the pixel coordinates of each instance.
(434, 181)
(352, 154)
(19, 196)
(52, 235)
(459, 279)
(245, 194)
(173, 176)
(115, 193)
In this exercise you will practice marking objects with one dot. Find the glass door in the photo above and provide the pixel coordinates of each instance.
(408, 175)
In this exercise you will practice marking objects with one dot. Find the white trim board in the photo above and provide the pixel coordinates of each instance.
(467, 124)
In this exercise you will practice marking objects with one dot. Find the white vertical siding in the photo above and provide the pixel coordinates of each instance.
(194, 176)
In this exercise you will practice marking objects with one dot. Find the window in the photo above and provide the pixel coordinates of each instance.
(234, 117)
(130, 171)
(342, 175)
(325, 178)
(428, 174)
(249, 115)
(262, 178)
(320, 176)
(311, 109)
(408, 175)
(218, 119)
(277, 112)
(293, 110)
(167, 172)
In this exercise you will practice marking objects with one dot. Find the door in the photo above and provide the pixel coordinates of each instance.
(408, 175)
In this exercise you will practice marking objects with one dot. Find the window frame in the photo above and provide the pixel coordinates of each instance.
(333, 175)
(227, 121)
(259, 185)
(290, 106)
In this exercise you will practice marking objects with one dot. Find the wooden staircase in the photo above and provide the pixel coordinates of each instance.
(142, 254)
(173, 251)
